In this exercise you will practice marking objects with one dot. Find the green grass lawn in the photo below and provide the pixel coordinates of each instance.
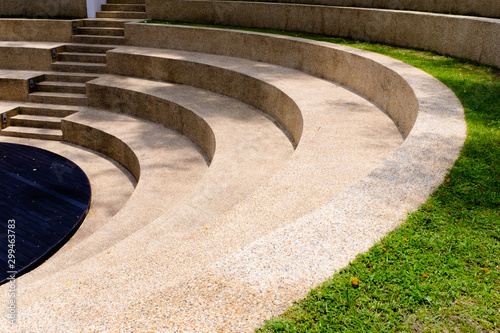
(439, 271)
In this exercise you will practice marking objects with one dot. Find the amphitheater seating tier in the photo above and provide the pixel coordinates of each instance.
(248, 167)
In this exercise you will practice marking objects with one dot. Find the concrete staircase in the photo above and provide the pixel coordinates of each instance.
(82, 58)
(101, 31)
(37, 123)
(123, 9)
(62, 88)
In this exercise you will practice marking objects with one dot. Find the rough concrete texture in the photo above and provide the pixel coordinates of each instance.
(344, 65)
(36, 30)
(473, 38)
(44, 8)
(14, 85)
(261, 226)
(33, 56)
(485, 8)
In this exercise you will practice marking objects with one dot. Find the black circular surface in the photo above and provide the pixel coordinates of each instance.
(44, 198)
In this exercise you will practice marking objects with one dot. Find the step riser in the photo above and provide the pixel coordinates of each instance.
(35, 123)
(124, 15)
(93, 58)
(126, 2)
(33, 136)
(103, 24)
(58, 100)
(79, 69)
(45, 112)
(61, 89)
(102, 31)
(124, 7)
(87, 49)
(110, 40)
(69, 78)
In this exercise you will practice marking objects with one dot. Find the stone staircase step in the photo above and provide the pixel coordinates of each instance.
(62, 87)
(58, 98)
(104, 23)
(80, 67)
(55, 111)
(97, 58)
(101, 31)
(70, 77)
(124, 7)
(25, 120)
(88, 48)
(126, 1)
(90, 39)
(124, 15)
(32, 133)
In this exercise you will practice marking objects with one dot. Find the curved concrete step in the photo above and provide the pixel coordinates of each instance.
(250, 148)
(310, 218)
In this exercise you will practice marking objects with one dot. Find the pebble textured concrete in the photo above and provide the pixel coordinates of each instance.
(261, 212)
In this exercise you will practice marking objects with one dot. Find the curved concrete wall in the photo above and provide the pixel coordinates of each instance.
(107, 144)
(43, 8)
(350, 67)
(476, 39)
(485, 8)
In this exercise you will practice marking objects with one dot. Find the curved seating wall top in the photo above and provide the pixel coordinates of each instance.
(472, 38)
(350, 67)
(485, 8)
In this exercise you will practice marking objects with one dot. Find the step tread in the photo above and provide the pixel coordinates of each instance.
(72, 63)
(120, 12)
(102, 55)
(62, 84)
(60, 95)
(99, 36)
(69, 48)
(102, 28)
(32, 130)
(38, 118)
(50, 110)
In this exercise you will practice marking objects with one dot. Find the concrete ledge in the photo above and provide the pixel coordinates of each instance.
(44, 8)
(485, 8)
(28, 55)
(111, 94)
(36, 30)
(228, 80)
(100, 141)
(14, 85)
(458, 36)
(364, 72)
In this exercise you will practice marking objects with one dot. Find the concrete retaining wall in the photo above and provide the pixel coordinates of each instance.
(43, 8)
(485, 8)
(477, 39)
(350, 67)
(32, 56)
(35, 30)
